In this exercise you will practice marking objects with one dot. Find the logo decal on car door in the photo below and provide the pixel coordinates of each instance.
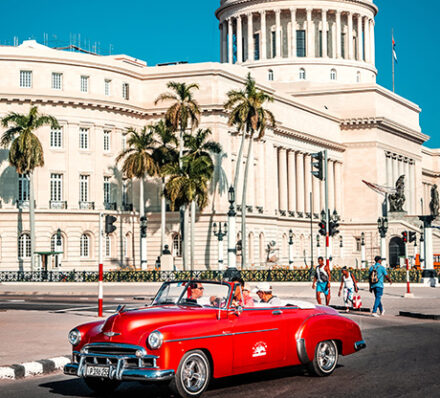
(259, 349)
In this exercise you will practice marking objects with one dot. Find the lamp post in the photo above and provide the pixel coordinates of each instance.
(58, 248)
(382, 225)
(143, 233)
(290, 248)
(232, 250)
(363, 261)
(318, 244)
(422, 250)
(341, 249)
(220, 234)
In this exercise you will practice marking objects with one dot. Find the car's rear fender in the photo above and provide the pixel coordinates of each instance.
(326, 327)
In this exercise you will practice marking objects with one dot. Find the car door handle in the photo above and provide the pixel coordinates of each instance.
(277, 312)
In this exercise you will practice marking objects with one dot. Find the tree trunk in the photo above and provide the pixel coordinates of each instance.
(143, 245)
(163, 217)
(238, 165)
(243, 205)
(184, 215)
(193, 222)
(32, 218)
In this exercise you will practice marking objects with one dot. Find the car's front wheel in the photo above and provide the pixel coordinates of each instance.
(326, 358)
(101, 386)
(193, 375)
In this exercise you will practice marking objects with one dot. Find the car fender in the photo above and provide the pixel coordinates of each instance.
(322, 327)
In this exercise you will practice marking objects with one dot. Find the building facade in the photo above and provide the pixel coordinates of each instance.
(325, 97)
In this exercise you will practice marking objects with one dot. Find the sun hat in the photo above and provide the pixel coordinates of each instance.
(262, 287)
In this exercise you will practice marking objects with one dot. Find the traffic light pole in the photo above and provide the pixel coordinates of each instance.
(101, 267)
(408, 289)
(327, 221)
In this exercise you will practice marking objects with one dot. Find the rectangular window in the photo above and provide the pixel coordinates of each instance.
(343, 45)
(125, 91)
(57, 81)
(124, 192)
(83, 138)
(56, 138)
(107, 190)
(106, 141)
(300, 43)
(256, 47)
(23, 187)
(26, 78)
(56, 187)
(274, 44)
(84, 84)
(107, 83)
(358, 244)
(83, 188)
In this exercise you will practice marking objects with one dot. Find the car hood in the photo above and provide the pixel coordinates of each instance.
(133, 326)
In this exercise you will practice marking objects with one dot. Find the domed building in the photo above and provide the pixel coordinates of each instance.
(315, 57)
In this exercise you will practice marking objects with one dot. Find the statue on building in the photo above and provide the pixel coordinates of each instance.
(434, 204)
(397, 199)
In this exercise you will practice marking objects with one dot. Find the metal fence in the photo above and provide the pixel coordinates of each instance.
(274, 275)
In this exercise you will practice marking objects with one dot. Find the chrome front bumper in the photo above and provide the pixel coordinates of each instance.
(129, 365)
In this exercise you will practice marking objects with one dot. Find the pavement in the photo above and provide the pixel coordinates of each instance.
(33, 339)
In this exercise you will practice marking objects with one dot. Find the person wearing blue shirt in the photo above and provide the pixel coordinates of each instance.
(377, 287)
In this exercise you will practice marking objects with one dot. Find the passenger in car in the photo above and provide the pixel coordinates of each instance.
(264, 292)
(242, 296)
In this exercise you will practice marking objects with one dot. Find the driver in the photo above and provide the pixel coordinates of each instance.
(195, 291)
(264, 292)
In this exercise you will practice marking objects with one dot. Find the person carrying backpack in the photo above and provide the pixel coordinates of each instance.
(377, 275)
(349, 283)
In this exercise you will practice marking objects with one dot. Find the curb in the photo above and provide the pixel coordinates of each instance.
(419, 315)
(43, 366)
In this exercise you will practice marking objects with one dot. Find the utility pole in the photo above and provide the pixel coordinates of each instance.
(100, 267)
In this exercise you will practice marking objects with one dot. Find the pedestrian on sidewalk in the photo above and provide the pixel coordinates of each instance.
(322, 280)
(349, 284)
(377, 275)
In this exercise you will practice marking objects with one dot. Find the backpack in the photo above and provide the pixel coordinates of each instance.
(374, 277)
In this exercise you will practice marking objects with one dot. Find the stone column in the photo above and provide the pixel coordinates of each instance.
(250, 54)
(263, 35)
(221, 42)
(350, 35)
(278, 33)
(271, 179)
(310, 50)
(415, 200)
(239, 40)
(399, 166)
(338, 34)
(300, 182)
(372, 44)
(230, 42)
(316, 195)
(293, 29)
(307, 182)
(407, 184)
(359, 38)
(338, 187)
(333, 40)
(324, 33)
(331, 185)
(250, 194)
(282, 178)
(292, 180)
(261, 183)
(393, 170)
(367, 39)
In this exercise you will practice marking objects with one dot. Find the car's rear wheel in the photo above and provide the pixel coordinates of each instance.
(193, 375)
(101, 386)
(326, 358)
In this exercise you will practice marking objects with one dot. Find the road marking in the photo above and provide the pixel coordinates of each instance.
(16, 301)
(119, 299)
(81, 308)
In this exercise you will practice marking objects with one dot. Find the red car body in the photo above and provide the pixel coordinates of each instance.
(234, 339)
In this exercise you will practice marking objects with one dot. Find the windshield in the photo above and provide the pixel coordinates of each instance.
(204, 294)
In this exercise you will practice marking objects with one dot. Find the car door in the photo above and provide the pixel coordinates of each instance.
(259, 338)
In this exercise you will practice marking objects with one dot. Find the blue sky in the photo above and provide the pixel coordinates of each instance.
(176, 30)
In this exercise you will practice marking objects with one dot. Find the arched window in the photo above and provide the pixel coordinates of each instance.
(24, 246)
(358, 77)
(302, 74)
(333, 75)
(84, 249)
(53, 244)
(270, 75)
(177, 245)
(108, 246)
(262, 249)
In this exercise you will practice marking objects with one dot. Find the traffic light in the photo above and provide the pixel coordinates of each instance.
(318, 165)
(109, 221)
(411, 236)
(322, 229)
(143, 221)
(333, 228)
(405, 236)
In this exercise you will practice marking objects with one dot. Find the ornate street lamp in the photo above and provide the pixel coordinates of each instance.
(290, 248)
(382, 225)
(58, 248)
(220, 234)
(143, 232)
(363, 260)
(341, 249)
(422, 249)
(232, 252)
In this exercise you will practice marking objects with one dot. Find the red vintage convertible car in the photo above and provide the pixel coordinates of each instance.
(197, 330)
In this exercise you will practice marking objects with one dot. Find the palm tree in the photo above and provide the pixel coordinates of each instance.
(182, 111)
(198, 148)
(250, 117)
(26, 152)
(163, 154)
(138, 161)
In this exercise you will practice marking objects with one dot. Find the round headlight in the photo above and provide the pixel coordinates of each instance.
(74, 337)
(155, 340)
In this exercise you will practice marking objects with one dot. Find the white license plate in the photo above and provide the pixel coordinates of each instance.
(98, 371)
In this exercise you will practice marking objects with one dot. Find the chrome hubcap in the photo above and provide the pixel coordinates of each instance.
(194, 374)
(326, 355)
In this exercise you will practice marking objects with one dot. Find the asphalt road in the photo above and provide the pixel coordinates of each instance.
(401, 360)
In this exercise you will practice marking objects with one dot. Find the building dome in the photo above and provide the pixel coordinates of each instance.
(283, 39)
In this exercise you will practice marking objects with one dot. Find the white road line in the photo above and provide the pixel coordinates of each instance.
(81, 308)
(119, 299)
(16, 301)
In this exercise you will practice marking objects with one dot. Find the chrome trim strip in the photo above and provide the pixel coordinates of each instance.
(219, 335)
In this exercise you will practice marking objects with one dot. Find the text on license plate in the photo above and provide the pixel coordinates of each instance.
(98, 371)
